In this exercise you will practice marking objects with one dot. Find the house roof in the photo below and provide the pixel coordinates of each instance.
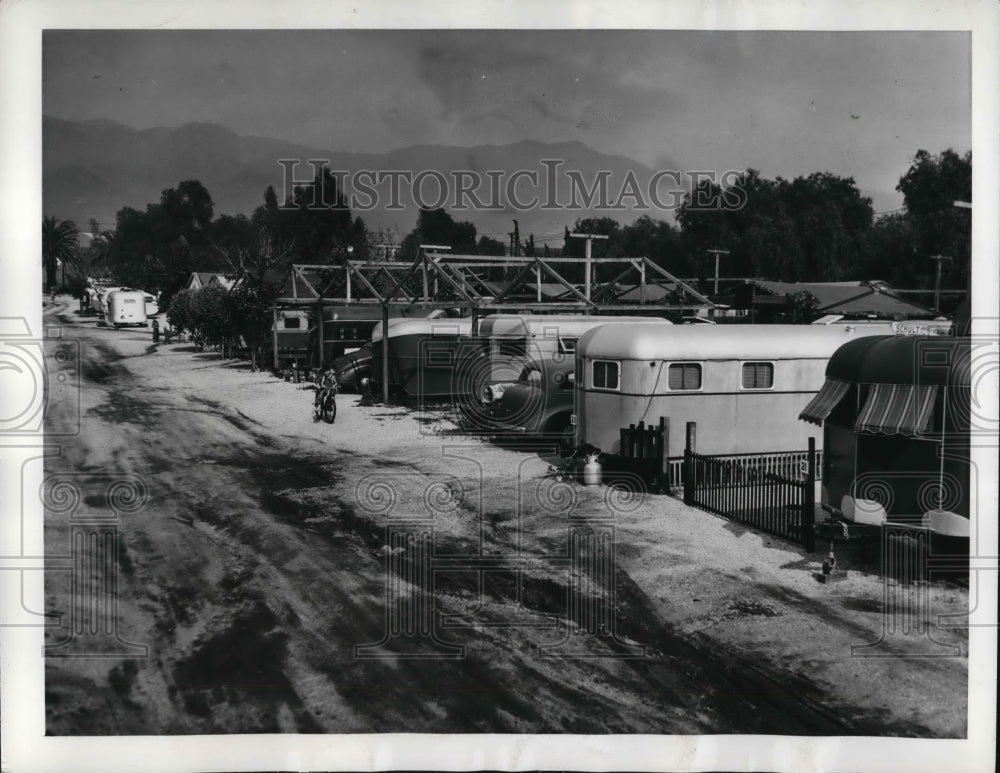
(205, 278)
(551, 325)
(871, 297)
(549, 289)
(654, 292)
(220, 279)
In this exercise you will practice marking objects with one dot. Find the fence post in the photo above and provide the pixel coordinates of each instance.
(663, 454)
(689, 449)
(808, 503)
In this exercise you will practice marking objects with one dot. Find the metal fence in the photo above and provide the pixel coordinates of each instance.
(771, 492)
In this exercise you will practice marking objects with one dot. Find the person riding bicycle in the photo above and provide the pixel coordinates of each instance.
(327, 380)
(326, 387)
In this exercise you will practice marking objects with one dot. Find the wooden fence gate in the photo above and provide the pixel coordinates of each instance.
(644, 450)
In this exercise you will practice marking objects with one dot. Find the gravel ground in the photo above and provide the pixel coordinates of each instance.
(259, 565)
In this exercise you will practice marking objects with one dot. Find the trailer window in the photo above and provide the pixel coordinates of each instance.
(130, 300)
(684, 375)
(605, 374)
(567, 345)
(758, 375)
(292, 323)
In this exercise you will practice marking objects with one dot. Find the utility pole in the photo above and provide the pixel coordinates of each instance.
(937, 281)
(717, 253)
(588, 276)
(423, 254)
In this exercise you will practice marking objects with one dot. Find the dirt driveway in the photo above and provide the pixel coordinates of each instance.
(258, 573)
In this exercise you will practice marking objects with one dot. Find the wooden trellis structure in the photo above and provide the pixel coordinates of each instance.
(438, 279)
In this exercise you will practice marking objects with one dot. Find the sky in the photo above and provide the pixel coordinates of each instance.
(858, 104)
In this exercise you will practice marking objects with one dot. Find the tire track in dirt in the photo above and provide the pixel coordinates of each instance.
(736, 693)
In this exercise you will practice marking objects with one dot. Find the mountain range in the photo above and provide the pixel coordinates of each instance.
(91, 169)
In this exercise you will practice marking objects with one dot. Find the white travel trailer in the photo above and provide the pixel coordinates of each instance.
(152, 305)
(125, 307)
(744, 385)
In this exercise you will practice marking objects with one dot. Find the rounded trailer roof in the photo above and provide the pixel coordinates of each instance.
(541, 324)
(924, 360)
(460, 326)
(711, 342)
(846, 362)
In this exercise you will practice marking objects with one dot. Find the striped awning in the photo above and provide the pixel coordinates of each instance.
(825, 401)
(897, 409)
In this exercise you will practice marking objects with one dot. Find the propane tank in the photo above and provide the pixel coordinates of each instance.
(592, 472)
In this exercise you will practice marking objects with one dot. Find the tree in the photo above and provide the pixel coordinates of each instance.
(892, 254)
(189, 208)
(488, 246)
(158, 248)
(801, 308)
(654, 239)
(811, 228)
(255, 268)
(930, 187)
(179, 312)
(212, 315)
(436, 226)
(315, 220)
(60, 244)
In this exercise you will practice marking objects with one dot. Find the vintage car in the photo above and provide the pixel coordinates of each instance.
(353, 369)
(539, 404)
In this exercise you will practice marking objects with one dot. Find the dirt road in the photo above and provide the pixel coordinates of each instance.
(263, 558)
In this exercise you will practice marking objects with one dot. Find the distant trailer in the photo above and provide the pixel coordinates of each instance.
(744, 385)
(290, 337)
(423, 354)
(346, 328)
(896, 413)
(125, 307)
(152, 305)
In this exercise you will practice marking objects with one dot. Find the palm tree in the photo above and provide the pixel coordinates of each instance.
(59, 244)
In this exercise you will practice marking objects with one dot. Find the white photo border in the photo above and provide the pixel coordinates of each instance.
(25, 746)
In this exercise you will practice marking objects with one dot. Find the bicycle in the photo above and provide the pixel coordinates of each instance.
(325, 405)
